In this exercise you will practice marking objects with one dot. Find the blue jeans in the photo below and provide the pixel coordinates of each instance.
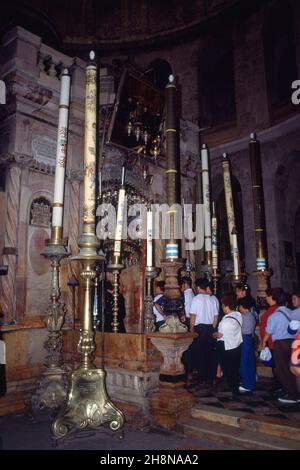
(248, 367)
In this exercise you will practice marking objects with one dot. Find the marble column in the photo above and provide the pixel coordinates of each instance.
(10, 250)
(172, 403)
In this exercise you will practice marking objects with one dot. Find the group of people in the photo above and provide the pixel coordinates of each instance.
(225, 344)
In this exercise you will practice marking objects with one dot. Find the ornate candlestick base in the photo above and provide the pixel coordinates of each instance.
(149, 319)
(88, 404)
(215, 277)
(174, 303)
(235, 279)
(206, 271)
(115, 268)
(263, 282)
(52, 385)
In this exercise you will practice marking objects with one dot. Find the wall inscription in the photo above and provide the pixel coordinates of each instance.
(43, 149)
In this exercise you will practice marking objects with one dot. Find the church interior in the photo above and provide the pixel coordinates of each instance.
(185, 107)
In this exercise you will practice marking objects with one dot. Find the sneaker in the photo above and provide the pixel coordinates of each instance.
(288, 400)
(244, 390)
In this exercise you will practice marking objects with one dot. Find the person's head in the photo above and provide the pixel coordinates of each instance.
(271, 296)
(242, 290)
(296, 299)
(244, 304)
(210, 289)
(185, 283)
(276, 296)
(228, 303)
(160, 287)
(202, 285)
(108, 286)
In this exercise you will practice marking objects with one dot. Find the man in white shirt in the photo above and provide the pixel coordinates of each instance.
(186, 288)
(203, 319)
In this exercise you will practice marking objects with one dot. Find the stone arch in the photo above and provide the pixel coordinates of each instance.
(216, 79)
(297, 243)
(158, 71)
(280, 55)
(287, 200)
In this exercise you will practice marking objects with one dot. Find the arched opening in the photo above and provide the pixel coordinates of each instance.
(158, 72)
(297, 243)
(280, 57)
(217, 88)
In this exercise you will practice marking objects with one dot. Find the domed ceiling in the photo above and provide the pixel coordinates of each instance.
(76, 25)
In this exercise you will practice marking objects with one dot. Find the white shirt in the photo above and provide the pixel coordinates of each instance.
(157, 314)
(188, 297)
(231, 328)
(205, 307)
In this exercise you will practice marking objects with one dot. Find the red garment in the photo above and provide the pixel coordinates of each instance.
(295, 356)
(263, 324)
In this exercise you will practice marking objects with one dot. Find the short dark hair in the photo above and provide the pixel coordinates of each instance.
(243, 286)
(229, 301)
(186, 280)
(202, 283)
(246, 303)
(160, 285)
(277, 294)
(296, 293)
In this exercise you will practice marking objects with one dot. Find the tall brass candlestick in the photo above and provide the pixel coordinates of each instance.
(237, 275)
(262, 271)
(206, 203)
(52, 385)
(172, 248)
(214, 243)
(87, 403)
(172, 263)
(117, 266)
(258, 203)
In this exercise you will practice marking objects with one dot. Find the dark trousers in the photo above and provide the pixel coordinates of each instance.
(2, 380)
(282, 356)
(158, 324)
(248, 367)
(203, 358)
(230, 361)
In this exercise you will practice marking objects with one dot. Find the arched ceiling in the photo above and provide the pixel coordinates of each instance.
(74, 26)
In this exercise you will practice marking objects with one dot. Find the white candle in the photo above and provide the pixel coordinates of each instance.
(90, 143)
(120, 216)
(149, 239)
(228, 197)
(100, 184)
(206, 198)
(214, 238)
(235, 254)
(61, 149)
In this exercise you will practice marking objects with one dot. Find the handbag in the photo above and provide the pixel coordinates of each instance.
(266, 357)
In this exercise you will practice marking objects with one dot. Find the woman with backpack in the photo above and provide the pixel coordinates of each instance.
(277, 326)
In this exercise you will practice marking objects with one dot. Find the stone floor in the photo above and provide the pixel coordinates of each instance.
(261, 402)
(21, 432)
